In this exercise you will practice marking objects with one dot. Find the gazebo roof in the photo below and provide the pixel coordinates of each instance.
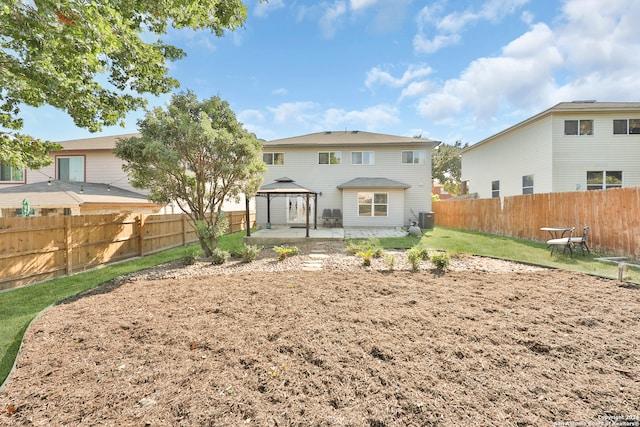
(283, 186)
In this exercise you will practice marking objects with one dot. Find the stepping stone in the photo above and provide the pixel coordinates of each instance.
(318, 256)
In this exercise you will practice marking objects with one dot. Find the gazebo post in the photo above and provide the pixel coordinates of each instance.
(315, 209)
(307, 209)
(268, 209)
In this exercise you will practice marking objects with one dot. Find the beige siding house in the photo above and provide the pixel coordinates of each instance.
(573, 146)
(375, 180)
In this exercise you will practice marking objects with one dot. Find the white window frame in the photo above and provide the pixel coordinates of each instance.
(603, 184)
(420, 159)
(364, 155)
(372, 204)
(495, 188)
(273, 155)
(337, 155)
(84, 166)
(628, 127)
(580, 131)
(12, 171)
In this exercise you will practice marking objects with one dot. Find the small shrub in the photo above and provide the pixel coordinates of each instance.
(191, 256)
(250, 252)
(440, 260)
(285, 251)
(366, 257)
(416, 255)
(373, 246)
(390, 260)
(219, 257)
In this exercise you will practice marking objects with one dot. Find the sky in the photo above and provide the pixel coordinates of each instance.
(450, 71)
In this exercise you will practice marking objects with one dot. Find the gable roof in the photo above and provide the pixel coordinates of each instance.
(373, 183)
(64, 194)
(348, 138)
(97, 143)
(565, 107)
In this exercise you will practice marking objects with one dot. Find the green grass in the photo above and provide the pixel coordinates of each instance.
(456, 241)
(19, 307)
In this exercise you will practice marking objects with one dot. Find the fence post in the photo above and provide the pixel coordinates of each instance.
(68, 246)
(140, 221)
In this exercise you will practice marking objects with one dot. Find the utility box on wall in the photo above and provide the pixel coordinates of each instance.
(426, 220)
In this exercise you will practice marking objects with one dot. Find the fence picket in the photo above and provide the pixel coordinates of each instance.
(613, 215)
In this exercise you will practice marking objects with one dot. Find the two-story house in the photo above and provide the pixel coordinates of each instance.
(572, 146)
(375, 180)
(84, 178)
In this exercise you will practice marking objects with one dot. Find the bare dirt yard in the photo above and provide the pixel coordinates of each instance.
(487, 343)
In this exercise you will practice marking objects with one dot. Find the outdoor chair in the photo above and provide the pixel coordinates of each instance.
(337, 216)
(326, 217)
(582, 241)
(565, 242)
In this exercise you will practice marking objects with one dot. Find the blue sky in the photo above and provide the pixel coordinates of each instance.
(447, 70)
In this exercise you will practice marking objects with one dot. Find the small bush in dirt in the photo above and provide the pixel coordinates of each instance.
(416, 255)
(191, 257)
(249, 253)
(219, 257)
(440, 260)
(373, 246)
(390, 260)
(285, 251)
(366, 257)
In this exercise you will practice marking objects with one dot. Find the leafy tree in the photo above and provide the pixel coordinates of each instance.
(196, 154)
(89, 59)
(447, 165)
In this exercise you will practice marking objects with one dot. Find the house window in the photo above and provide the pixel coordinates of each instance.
(10, 173)
(626, 126)
(601, 180)
(578, 127)
(329, 158)
(495, 188)
(372, 204)
(71, 168)
(527, 184)
(418, 157)
(362, 158)
(273, 158)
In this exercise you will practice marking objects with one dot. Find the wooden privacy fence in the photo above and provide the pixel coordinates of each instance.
(40, 248)
(614, 217)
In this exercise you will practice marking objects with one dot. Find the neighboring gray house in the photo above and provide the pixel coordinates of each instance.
(375, 180)
(572, 146)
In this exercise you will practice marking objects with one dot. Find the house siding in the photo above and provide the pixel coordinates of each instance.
(574, 155)
(301, 165)
(508, 158)
(559, 162)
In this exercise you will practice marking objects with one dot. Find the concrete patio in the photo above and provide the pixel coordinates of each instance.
(281, 234)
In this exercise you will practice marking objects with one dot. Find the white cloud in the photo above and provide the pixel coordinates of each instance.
(263, 9)
(448, 28)
(299, 112)
(521, 77)
(369, 119)
(251, 116)
(280, 91)
(331, 18)
(378, 76)
(361, 4)
(416, 89)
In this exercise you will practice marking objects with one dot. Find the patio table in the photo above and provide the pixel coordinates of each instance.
(554, 231)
